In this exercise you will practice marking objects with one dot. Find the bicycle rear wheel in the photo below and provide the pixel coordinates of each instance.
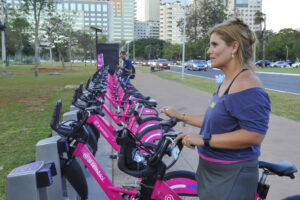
(183, 183)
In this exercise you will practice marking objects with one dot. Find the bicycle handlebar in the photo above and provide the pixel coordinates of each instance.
(136, 164)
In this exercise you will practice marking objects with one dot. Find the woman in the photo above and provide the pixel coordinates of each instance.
(235, 122)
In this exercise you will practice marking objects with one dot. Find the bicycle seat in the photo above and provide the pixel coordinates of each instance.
(147, 102)
(170, 123)
(282, 168)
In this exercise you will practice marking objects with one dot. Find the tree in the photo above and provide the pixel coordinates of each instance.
(278, 43)
(259, 19)
(149, 50)
(154, 50)
(18, 41)
(173, 51)
(192, 22)
(85, 42)
(201, 18)
(17, 25)
(57, 33)
(37, 6)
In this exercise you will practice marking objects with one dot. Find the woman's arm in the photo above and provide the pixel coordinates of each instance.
(238, 139)
(194, 120)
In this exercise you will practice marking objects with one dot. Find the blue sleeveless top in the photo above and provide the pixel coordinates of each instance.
(248, 109)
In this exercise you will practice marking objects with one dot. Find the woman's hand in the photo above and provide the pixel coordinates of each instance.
(121, 67)
(170, 112)
(191, 139)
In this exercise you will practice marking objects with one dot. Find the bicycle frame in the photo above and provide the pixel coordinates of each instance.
(162, 190)
(112, 191)
(109, 131)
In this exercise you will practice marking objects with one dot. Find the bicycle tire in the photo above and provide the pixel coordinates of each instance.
(183, 183)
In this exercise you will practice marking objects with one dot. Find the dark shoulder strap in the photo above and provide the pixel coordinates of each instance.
(228, 88)
(218, 89)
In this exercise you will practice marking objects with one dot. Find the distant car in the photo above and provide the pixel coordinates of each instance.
(145, 63)
(259, 63)
(163, 64)
(289, 62)
(186, 64)
(153, 63)
(296, 64)
(280, 64)
(197, 65)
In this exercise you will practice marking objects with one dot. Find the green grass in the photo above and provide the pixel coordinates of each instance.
(26, 106)
(285, 105)
(279, 70)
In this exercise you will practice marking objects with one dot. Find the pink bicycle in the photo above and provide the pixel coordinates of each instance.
(135, 123)
(154, 179)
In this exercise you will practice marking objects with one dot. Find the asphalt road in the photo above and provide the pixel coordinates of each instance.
(274, 81)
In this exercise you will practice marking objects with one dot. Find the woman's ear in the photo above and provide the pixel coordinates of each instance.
(235, 47)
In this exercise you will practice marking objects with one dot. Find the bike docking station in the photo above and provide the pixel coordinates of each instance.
(30, 181)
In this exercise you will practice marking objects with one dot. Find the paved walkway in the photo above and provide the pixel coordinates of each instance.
(281, 142)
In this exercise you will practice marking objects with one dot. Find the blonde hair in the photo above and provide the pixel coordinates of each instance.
(237, 30)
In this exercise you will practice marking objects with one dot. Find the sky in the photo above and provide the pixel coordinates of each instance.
(280, 13)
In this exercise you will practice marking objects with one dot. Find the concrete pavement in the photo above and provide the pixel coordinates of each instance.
(281, 142)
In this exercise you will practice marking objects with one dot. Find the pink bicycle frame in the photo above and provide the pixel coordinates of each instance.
(103, 180)
(109, 131)
(162, 190)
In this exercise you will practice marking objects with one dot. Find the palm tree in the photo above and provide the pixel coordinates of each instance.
(259, 19)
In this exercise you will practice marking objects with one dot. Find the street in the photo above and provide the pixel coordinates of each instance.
(273, 81)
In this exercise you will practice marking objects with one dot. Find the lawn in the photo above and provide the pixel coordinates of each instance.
(280, 70)
(285, 105)
(26, 106)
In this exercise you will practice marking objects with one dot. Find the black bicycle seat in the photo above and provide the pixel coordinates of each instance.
(146, 102)
(170, 123)
(282, 168)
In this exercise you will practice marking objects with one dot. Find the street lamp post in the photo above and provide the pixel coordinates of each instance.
(133, 50)
(183, 43)
(3, 36)
(287, 52)
(205, 50)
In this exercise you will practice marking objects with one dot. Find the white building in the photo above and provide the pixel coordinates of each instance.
(170, 14)
(152, 11)
(148, 29)
(246, 10)
(124, 13)
(83, 14)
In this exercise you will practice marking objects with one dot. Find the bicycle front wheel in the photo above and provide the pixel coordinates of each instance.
(183, 183)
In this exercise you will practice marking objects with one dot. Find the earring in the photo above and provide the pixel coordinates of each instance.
(232, 55)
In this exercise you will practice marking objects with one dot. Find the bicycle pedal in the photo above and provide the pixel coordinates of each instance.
(133, 186)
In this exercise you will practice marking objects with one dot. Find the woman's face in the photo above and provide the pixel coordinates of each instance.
(219, 52)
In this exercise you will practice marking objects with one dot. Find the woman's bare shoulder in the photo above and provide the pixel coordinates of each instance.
(245, 81)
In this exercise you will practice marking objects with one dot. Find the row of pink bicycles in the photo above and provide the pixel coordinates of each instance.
(144, 142)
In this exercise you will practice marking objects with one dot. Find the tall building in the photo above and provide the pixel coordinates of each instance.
(152, 10)
(170, 14)
(148, 29)
(246, 10)
(83, 14)
(124, 18)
